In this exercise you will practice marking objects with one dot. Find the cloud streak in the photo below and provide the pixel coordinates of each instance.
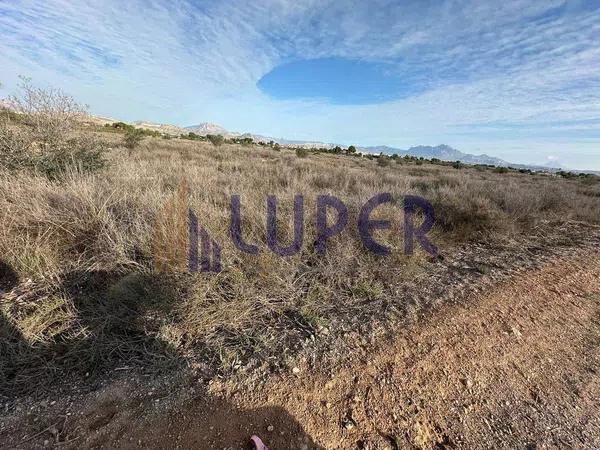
(518, 79)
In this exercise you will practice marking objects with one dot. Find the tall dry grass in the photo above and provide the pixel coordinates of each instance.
(86, 243)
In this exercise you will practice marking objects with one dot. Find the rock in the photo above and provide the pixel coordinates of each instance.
(296, 370)
(270, 428)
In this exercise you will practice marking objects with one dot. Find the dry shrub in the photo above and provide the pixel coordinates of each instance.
(50, 113)
(44, 141)
(88, 240)
(466, 215)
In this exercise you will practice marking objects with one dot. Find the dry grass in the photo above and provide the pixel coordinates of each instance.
(94, 301)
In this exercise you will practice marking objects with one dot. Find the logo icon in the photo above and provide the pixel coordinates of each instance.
(177, 235)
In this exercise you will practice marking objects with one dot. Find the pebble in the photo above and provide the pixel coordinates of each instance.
(349, 423)
(270, 428)
(296, 370)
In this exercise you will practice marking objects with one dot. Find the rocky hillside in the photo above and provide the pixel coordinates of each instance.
(160, 127)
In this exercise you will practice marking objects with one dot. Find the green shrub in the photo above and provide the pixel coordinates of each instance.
(84, 153)
(301, 152)
(215, 139)
(132, 138)
(122, 126)
(501, 170)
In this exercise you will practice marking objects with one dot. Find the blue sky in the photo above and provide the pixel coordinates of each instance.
(515, 79)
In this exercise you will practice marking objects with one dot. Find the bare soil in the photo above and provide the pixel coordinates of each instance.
(516, 366)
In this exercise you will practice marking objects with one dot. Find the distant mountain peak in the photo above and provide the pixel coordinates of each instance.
(208, 128)
(442, 152)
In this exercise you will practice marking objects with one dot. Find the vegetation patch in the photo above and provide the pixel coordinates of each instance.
(80, 295)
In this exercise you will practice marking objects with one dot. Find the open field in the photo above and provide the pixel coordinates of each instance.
(300, 225)
(82, 303)
(93, 301)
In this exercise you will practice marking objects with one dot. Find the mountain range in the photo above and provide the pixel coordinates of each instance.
(442, 152)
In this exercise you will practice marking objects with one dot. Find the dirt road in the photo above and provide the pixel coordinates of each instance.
(516, 367)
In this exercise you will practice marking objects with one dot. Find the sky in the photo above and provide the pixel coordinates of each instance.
(516, 79)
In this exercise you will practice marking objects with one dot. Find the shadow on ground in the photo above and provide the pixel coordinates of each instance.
(203, 422)
(8, 277)
(90, 324)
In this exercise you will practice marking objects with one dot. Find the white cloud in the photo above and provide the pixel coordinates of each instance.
(509, 78)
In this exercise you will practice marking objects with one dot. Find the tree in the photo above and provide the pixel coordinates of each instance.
(352, 149)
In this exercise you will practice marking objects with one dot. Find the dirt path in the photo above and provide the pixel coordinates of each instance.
(517, 367)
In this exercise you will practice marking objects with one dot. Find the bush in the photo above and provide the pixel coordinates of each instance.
(133, 138)
(215, 139)
(383, 161)
(49, 114)
(85, 153)
(44, 142)
(122, 126)
(301, 152)
(277, 147)
(501, 170)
